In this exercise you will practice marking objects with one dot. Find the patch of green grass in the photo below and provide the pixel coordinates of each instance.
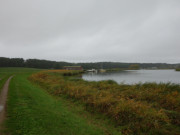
(18, 70)
(5, 73)
(3, 80)
(32, 111)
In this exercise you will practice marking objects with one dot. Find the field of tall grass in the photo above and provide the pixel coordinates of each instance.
(149, 109)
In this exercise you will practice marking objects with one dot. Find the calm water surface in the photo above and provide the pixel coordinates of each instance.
(136, 76)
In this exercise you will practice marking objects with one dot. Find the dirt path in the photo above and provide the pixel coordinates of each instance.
(3, 97)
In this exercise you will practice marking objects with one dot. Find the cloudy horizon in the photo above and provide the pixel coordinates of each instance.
(91, 31)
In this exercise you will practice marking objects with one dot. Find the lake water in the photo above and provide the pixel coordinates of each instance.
(136, 76)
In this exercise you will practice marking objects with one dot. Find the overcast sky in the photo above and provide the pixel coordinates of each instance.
(91, 30)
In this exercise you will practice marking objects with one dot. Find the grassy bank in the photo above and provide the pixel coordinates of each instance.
(32, 111)
(136, 109)
(3, 80)
(177, 69)
(3, 77)
(5, 73)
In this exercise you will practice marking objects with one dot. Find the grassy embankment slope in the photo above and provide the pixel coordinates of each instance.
(32, 111)
(148, 109)
(177, 69)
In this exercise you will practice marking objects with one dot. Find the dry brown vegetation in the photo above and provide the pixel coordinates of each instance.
(148, 108)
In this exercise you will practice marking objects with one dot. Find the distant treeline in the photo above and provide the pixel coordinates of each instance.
(46, 64)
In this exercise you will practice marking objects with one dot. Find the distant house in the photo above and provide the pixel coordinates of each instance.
(73, 68)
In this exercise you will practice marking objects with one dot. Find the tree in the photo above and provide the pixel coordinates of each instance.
(134, 67)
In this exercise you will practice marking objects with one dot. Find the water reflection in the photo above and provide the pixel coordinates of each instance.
(136, 76)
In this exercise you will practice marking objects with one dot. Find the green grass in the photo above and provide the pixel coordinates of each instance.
(32, 111)
(3, 80)
(5, 73)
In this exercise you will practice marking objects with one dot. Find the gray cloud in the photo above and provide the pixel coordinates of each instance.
(91, 30)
